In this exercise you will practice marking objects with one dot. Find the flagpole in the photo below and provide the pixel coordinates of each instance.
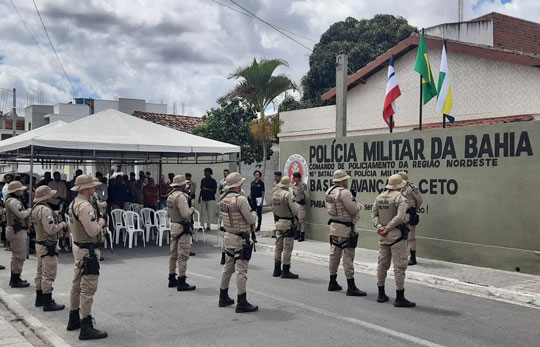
(391, 123)
(444, 116)
(420, 113)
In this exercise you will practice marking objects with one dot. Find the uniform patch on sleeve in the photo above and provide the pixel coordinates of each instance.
(50, 219)
(19, 207)
(92, 215)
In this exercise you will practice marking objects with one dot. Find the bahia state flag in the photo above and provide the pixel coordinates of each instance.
(422, 66)
(445, 103)
(392, 93)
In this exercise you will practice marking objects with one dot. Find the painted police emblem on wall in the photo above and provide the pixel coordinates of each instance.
(297, 163)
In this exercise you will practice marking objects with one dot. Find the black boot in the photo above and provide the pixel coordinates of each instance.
(224, 299)
(286, 273)
(352, 290)
(173, 282)
(2, 267)
(191, 253)
(333, 285)
(222, 262)
(277, 269)
(49, 303)
(17, 282)
(74, 322)
(244, 306)
(183, 286)
(412, 261)
(88, 332)
(382, 295)
(401, 301)
(302, 237)
(39, 298)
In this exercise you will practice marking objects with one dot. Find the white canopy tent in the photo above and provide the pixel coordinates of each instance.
(114, 136)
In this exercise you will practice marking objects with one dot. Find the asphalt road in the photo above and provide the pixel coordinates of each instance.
(134, 305)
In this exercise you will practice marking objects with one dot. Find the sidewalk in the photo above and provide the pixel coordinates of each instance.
(513, 287)
(10, 337)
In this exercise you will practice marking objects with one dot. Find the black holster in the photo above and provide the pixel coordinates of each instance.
(51, 247)
(352, 241)
(414, 218)
(246, 251)
(90, 264)
(187, 226)
(404, 228)
(17, 226)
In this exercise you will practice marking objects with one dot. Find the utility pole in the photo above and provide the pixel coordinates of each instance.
(341, 95)
(14, 112)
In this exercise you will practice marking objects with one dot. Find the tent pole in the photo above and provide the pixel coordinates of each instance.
(31, 174)
(159, 175)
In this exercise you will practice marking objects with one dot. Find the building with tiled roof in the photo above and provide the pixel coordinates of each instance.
(182, 123)
(494, 64)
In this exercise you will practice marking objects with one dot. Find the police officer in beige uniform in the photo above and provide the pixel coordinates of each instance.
(86, 229)
(16, 231)
(285, 211)
(180, 211)
(414, 201)
(48, 231)
(238, 221)
(301, 196)
(344, 213)
(388, 216)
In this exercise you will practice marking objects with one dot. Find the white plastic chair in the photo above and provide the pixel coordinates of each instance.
(149, 221)
(118, 223)
(163, 226)
(136, 208)
(197, 226)
(70, 236)
(132, 223)
(106, 240)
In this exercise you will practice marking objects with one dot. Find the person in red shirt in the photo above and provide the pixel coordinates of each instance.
(163, 190)
(151, 194)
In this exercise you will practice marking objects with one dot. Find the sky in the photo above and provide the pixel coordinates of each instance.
(184, 50)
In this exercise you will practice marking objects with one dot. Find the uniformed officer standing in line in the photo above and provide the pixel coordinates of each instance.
(16, 231)
(344, 213)
(301, 196)
(277, 179)
(388, 216)
(48, 231)
(87, 231)
(180, 211)
(285, 210)
(238, 221)
(414, 201)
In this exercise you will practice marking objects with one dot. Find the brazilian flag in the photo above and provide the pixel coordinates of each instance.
(429, 91)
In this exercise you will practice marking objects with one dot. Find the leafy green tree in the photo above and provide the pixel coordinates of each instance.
(363, 40)
(231, 123)
(258, 87)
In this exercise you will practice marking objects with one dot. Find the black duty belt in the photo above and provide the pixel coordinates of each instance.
(286, 218)
(87, 245)
(43, 243)
(347, 224)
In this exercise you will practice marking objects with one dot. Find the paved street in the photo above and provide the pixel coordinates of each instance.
(137, 309)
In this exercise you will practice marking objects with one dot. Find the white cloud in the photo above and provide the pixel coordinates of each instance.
(183, 51)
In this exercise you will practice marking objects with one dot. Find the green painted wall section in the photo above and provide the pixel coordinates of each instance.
(481, 188)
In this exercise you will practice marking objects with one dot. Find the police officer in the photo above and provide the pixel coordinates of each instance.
(388, 216)
(180, 211)
(16, 231)
(277, 178)
(238, 220)
(414, 201)
(48, 231)
(87, 230)
(344, 213)
(301, 196)
(285, 210)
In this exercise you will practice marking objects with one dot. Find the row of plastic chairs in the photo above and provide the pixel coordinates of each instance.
(145, 222)
(106, 241)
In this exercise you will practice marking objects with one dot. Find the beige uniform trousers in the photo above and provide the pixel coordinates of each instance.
(411, 239)
(284, 247)
(84, 287)
(179, 250)
(336, 253)
(17, 240)
(302, 217)
(396, 253)
(233, 243)
(46, 270)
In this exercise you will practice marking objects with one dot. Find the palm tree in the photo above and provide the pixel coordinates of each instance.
(258, 88)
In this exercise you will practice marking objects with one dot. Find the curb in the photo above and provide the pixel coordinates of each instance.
(32, 322)
(446, 283)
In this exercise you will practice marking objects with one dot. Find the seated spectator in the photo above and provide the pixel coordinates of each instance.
(151, 194)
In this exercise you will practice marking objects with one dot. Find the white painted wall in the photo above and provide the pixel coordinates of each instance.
(102, 105)
(479, 32)
(155, 108)
(71, 109)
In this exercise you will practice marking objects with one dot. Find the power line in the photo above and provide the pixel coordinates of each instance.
(272, 26)
(31, 35)
(250, 16)
(54, 50)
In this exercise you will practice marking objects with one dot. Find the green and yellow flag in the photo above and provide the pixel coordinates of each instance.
(424, 69)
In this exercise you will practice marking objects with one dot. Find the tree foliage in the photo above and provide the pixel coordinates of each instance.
(363, 40)
(231, 123)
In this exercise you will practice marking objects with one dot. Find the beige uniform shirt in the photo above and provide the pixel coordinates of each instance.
(182, 206)
(16, 208)
(344, 198)
(88, 218)
(399, 204)
(413, 195)
(45, 222)
(301, 192)
(283, 205)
